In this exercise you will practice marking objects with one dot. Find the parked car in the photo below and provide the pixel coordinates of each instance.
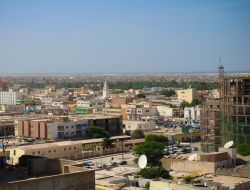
(123, 162)
(88, 164)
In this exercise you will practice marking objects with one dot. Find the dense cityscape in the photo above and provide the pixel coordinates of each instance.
(89, 131)
(124, 95)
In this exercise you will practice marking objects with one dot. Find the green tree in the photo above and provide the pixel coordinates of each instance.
(153, 150)
(244, 149)
(137, 134)
(141, 96)
(107, 142)
(156, 138)
(195, 102)
(153, 173)
(168, 93)
(147, 185)
(96, 132)
(188, 179)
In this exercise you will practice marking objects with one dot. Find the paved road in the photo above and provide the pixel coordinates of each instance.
(116, 158)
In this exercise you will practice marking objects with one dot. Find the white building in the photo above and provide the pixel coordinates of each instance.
(46, 101)
(67, 129)
(8, 97)
(193, 113)
(165, 111)
(83, 104)
(57, 104)
(141, 125)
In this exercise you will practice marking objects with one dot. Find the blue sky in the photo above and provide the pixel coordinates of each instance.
(77, 36)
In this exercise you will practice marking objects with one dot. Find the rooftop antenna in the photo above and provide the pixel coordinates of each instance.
(221, 89)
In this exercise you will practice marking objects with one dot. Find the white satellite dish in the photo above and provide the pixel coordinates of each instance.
(142, 161)
(192, 157)
(229, 144)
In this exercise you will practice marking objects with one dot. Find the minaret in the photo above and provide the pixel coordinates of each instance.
(105, 92)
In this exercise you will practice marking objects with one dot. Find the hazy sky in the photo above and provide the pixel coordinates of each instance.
(77, 36)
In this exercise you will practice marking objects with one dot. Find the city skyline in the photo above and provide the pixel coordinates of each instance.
(123, 36)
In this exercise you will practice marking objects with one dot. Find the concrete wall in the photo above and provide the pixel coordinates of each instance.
(166, 185)
(193, 166)
(58, 152)
(49, 166)
(167, 163)
(188, 166)
(72, 181)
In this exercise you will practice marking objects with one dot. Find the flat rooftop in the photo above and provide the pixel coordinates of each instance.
(70, 117)
(67, 143)
(229, 180)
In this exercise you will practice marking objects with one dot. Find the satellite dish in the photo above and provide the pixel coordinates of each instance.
(192, 157)
(142, 162)
(229, 144)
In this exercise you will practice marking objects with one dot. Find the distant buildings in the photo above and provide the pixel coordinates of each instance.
(168, 112)
(66, 127)
(192, 113)
(187, 95)
(8, 97)
(137, 111)
(141, 125)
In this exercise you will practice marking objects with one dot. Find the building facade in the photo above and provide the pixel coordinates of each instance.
(8, 97)
(137, 112)
(235, 123)
(187, 95)
(66, 127)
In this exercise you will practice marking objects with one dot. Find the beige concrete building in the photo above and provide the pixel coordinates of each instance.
(137, 111)
(187, 95)
(68, 149)
(49, 174)
(66, 127)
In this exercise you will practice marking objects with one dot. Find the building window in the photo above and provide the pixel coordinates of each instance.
(54, 150)
(74, 148)
(49, 151)
(70, 148)
(64, 149)
(38, 152)
(72, 126)
(33, 153)
(14, 152)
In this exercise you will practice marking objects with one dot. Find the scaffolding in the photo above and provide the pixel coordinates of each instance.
(235, 110)
(227, 118)
(211, 118)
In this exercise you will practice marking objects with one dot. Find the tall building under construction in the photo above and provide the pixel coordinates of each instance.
(227, 118)
(235, 109)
